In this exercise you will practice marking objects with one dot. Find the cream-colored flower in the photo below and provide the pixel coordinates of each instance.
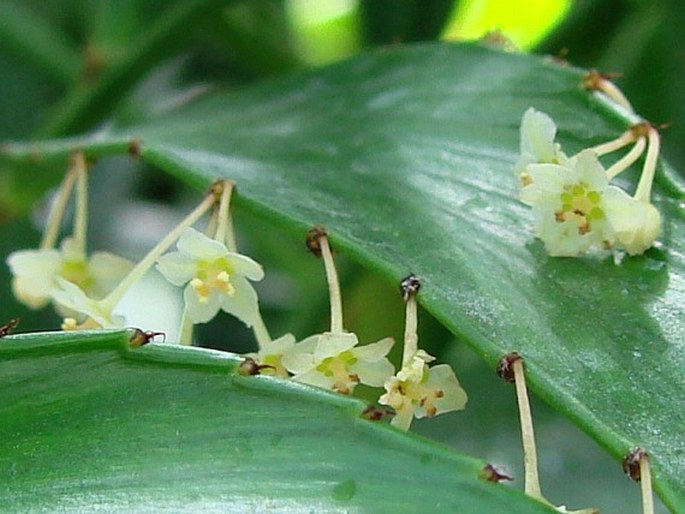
(576, 210)
(537, 145)
(419, 391)
(569, 205)
(335, 361)
(36, 272)
(214, 278)
(89, 312)
(271, 354)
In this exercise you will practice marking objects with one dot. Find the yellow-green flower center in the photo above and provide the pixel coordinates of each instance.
(409, 392)
(78, 273)
(211, 275)
(581, 205)
(336, 368)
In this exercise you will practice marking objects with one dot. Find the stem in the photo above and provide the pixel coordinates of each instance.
(530, 458)
(57, 210)
(333, 286)
(615, 144)
(411, 338)
(644, 187)
(223, 214)
(185, 332)
(628, 159)
(261, 333)
(646, 486)
(148, 261)
(612, 91)
(81, 214)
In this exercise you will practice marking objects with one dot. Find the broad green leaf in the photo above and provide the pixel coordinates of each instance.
(406, 156)
(86, 424)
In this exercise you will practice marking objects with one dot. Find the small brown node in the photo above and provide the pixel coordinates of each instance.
(217, 187)
(631, 463)
(593, 79)
(641, 129)
(250, 367)
(409, 286)
(377, 413)
(492, 473)
(135, 147)
(7, 328)
(142, 337)
(313, 240)
(505, 368)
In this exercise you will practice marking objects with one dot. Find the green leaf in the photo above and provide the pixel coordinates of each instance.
(406, 156)
(87, 424)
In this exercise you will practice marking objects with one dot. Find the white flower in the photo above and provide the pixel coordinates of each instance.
(271, 354)
(419, 391)
(576, 209)
(537, 144)
(569, 205)
(36, 272)
(90, 313)
(216, 278)
(334, 361)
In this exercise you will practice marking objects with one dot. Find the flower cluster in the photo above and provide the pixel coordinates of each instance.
(214, 277)
(575, 208)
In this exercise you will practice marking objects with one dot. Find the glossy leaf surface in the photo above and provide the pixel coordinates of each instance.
(86, 424)
(406, 156)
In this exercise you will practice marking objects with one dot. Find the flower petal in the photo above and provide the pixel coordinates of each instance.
(375, 351)
(245, 266)
(373, 373)
(243, 304)
(196, 245)
(107, 271)
(333, 344)
(201, 312)
(454, 397)
(177, 268)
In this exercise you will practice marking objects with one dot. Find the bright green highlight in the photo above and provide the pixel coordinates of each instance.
(524, 22)
(324, 31)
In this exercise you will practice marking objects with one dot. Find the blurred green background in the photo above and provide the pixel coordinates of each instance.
(70, 67)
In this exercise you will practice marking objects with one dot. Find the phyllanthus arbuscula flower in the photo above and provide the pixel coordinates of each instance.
(575, 209)
(214, 278)
(419, 391)
(537, 145)
(335, 361)
(270, 355)
(36, 272)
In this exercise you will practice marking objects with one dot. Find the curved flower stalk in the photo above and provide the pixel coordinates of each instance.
(511, 369)
(334, 359)
(575, 208)
(419, 390)
(39, 273)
